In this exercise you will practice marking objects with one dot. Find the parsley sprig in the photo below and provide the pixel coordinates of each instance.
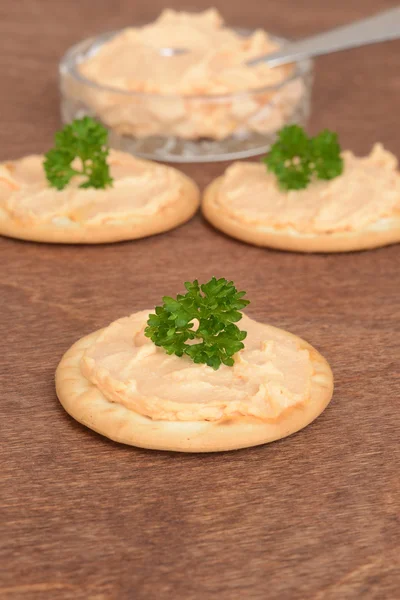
(295, 157)
(216, 305)
(86, 140)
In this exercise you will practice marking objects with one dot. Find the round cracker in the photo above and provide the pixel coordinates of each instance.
(86, 403)
(381, 233)
(174, 214)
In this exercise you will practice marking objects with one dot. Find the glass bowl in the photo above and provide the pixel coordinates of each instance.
(190, 128)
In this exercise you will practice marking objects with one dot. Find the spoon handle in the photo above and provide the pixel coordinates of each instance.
(380, 28)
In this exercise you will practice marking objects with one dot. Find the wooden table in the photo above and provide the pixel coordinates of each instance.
(313, 516)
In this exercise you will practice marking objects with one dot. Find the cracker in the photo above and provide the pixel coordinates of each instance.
(87, 404)
(381, 233)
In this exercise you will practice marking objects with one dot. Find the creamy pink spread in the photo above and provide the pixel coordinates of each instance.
(270, 375)
(367, 191)
(214, 64)
(140, 189)
(174, 96)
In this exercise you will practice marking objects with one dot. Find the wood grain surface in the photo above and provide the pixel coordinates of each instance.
(314, 516)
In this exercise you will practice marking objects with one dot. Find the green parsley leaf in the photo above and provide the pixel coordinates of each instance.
(295, 158)
(84, 140)
(289, 158)
(216, 306)
(325, 153)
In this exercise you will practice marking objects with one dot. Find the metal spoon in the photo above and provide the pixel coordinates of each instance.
(380, 28)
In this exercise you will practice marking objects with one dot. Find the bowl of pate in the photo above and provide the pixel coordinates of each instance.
(205, 104)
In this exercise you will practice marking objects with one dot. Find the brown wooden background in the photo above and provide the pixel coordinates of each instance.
(314, 516)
